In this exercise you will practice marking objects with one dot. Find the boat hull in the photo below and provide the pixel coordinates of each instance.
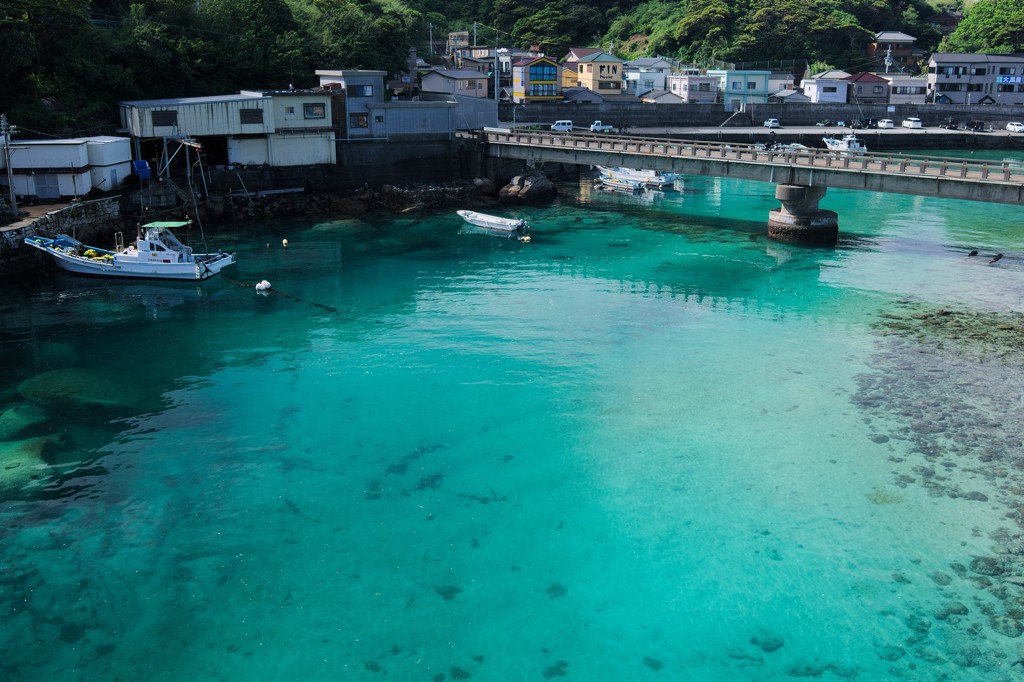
(492, 222)
(110, 264)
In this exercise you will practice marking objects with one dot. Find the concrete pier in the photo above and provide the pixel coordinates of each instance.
(800, 220)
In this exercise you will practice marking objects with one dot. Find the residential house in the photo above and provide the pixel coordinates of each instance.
(660, 97)
(570, 75)
(577, 53)
(359, 90)
(506, 61)
(789, 97)
(892, 51)
(367, 116)
(780, 80)
(536, 79)
(466, 82)
(867, 88)
(827, 88)
(905, 89)
(601, 72)
(945, 22)
(694, 88)
(580, 95)
(975, 78)
(740, 87)
(642, 75)
(476, 58)
(456, 41)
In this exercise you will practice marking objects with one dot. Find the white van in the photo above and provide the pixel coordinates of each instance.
(561, 126)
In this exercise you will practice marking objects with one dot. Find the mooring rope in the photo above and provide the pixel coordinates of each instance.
(284, 295)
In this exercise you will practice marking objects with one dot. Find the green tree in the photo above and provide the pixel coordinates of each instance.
(989, 26)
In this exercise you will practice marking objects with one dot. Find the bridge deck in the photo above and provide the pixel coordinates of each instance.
(975, 180)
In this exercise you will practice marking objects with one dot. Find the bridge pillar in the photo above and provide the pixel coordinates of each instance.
(800, 220)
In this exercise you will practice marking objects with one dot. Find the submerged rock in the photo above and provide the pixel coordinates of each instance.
(21, 419)
(767, 641)
(24, 463)
(82, 390)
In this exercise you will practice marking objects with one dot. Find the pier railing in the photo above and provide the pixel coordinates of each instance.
(975, 171)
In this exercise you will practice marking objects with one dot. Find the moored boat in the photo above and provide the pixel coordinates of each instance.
(648, 178)
(155, 254)
(510, 227)
(847, 144)
(614, 184)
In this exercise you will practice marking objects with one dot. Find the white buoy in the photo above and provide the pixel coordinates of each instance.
(263, 285)
(284, 243)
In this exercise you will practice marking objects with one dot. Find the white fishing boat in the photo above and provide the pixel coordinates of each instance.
(847, 144)
(648, 178)
(509, 227)
(155, 254)
(614, 184)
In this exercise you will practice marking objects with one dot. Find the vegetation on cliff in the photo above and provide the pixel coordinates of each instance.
(67, 62)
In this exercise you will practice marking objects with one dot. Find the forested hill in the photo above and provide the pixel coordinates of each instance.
(67, 62)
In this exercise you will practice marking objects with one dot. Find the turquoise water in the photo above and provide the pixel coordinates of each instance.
(650, 444)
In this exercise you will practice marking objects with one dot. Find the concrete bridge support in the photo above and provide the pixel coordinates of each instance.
(800, 220)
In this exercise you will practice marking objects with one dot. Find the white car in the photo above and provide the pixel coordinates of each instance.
(1015, 127)
(912, 123)
(886, 123)
(772, 123)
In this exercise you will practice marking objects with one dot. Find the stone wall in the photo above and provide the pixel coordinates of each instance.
(92, 222)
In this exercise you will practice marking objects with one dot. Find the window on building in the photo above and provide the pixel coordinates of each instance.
(736, 85)
(704, 87)
(165, 118)
(1007, 70)
(543, 72)
(358, 121)
(542, 90)
(877, 89)
(975, 87)
(314, 110)
(359, 91)
(289, 110)
(751, 85)
(250, 116)
(1005, 88)
(608, 85)
(980, 71)
(378, 118)
(830, 88)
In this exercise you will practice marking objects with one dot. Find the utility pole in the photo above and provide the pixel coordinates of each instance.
(888, 58)
(430, 35)
(6, 131)
(474, 34)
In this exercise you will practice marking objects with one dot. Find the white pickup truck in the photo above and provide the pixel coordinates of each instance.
(598, 127)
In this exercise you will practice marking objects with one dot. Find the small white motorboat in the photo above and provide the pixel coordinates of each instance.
(847, 144)
(155, 254)
(616, 184)
(509, 227)
(648, 178)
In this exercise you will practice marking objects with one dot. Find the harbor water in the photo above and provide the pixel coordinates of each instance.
(649, 444)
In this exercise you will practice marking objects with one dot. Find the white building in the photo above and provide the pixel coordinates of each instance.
(827, 88)
(273, 128)
(975, 79)
(643, 75)
(50, 169)
(694, 88)
(905, 89)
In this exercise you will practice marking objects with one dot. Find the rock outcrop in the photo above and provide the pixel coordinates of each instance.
(529, 188)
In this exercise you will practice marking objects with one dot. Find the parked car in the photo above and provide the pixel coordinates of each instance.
(599, 127)
(1015, 127)
(886, 123)
(772, 123)
(976, 126)
(564, 126)
(949, 123)
(912, 123)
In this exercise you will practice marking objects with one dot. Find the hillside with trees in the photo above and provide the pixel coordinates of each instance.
(67, 62)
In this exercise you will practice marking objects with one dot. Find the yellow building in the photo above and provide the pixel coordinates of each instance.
(600, 72)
